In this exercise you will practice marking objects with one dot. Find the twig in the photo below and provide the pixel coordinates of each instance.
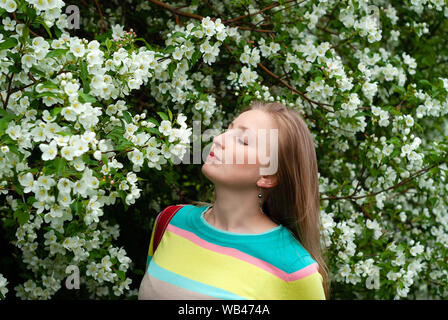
(102, 22)
(275, 12)
(292, 88)
(230, 50)
(5, 105)
(24, 87)
(18, 22)
(212, 7)
(257, 30)
(259, 11)
(327, 30)
(404, 181)
(175, 11)
(177, 19)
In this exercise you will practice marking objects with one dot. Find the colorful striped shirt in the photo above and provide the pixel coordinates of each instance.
(195, 260)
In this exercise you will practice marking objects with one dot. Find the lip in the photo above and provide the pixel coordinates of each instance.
(213, 155)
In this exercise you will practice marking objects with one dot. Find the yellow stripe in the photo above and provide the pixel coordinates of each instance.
(150, 249)
(308, 288)
(187, 259)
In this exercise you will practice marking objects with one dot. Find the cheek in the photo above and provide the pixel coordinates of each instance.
(237, 154)
(245, 159)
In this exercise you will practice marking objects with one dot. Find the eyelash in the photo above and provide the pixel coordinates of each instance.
(241, 141)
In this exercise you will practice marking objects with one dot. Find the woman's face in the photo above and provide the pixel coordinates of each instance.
(242, 150)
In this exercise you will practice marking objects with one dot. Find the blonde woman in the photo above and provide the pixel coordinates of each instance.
(260, 238)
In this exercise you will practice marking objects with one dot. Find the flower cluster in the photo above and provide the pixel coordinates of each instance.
(72, 142)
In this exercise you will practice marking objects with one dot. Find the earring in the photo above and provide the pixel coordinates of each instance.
(259, 200)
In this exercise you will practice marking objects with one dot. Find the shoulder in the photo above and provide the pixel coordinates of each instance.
(177, 212)
(174, 207)
(298, 256)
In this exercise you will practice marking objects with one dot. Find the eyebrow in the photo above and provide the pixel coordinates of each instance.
(242, 127)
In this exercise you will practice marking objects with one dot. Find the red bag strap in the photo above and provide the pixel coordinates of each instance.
(163, 220)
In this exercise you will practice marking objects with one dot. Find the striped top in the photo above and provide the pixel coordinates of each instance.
(195, 260)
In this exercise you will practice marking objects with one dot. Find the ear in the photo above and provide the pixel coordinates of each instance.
(267, 181)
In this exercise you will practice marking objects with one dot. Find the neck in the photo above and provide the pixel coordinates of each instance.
(233, 212)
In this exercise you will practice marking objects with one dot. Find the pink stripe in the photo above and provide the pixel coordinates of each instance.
(244, 256)
(304, 272)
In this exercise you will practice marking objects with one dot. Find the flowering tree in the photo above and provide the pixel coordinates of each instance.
(85, 122)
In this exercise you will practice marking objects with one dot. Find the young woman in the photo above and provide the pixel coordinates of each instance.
(260, 238)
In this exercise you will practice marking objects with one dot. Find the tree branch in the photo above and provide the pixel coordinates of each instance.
(292, 88)
(175, 11)
(404, 181)
(102, 22)
(259, 11)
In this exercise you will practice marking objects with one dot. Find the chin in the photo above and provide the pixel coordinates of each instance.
(205, 169)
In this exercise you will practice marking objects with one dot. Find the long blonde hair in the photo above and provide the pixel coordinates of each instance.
(294, 202)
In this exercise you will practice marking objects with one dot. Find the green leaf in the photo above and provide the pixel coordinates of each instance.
(154, 131)
(170, 115)
(8, 44)
(56, 111)
(6, 116)
(77, 207)
(178, 34)
(247, 98)
(49, 85)
(30, 200)
(84, 78)
(139, 272)
(48, 94)
(30, 12)
(424, 82)
(15, 56)
(57, 32)
(108, 44)
(33, 69)
(3, 126)
(171, 67)
(25, 35)
(169, 49)
(419, 127)
(59, 164)
(46, 28)
(14, 69)
(18, 187)
(121, 274)
(399, 89)
(21, 216)
(85, 97)
(56, 53)
(154, 121)
(162, 115)
(127, 116)
(195, 57)
(64, 133)
(146, 43)
(14, 149)
(86, 158)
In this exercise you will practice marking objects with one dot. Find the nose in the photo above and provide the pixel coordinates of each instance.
(219, 140)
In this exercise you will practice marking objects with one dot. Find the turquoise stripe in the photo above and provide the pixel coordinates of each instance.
(183, 282)
(277, 247)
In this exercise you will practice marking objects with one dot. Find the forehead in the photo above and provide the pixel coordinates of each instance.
(255, 119)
